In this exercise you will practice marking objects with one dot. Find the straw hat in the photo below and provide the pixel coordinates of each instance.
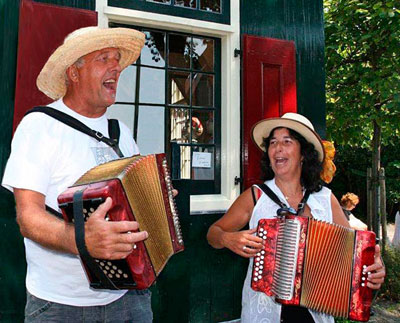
(294, 121)
(51, 80)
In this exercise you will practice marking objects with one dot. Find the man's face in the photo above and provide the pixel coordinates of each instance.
(98, 78)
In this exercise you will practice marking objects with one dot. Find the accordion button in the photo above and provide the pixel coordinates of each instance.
(261, 229)
(260, 272)
(262, 252)
(262, 262)
(257, 258)
(118, 275)
(119, 271)
(255, 279)
(362, 285)
(259, 276)
(264, 237)
(91, 209)
(125, 275)
(257, 264)
(258, 254)
(363, 278)
(262, 257)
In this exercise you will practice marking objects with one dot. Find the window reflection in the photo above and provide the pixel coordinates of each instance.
(203, 54)
(160, 1)
(151, 130)
(211, 5)
(153, 52)
(203, 90)
(186, 3)
(203, 127)
(179, 85)
(152, 85)
(180, 125)
(127, 85)
(180, 161)
(179, 51)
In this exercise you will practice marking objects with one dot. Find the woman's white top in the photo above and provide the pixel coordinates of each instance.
(257, 307)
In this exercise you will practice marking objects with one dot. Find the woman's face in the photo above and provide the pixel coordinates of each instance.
(284, 153)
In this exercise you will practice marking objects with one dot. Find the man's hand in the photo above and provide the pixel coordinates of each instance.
(111, 239)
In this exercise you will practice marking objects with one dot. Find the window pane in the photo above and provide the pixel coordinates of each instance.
(203, 126)
(203, 54)
(203, 90)
(180, 161)
(123, 112)
(126, 85)
(180, 126)
(186, 3)
(179, 51)
(160, 1)
(211, 5)
(151, 130)
(179, 87)
(152, 85)
(203, 163)
(153, 53)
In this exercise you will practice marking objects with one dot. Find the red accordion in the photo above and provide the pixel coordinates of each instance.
(141, 190)
(315, 264)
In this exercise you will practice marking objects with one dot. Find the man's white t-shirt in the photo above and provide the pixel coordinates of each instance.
(47, 156)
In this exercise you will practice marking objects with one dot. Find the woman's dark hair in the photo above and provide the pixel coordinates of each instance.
(311, 169)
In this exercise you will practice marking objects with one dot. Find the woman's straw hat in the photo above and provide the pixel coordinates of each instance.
(290, 120)
(51, 80)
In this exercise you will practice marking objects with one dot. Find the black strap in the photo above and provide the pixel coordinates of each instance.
(273, 197)
(77, 125)
(79, 221)
(54, 212)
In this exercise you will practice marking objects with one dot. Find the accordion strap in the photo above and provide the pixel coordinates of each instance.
(80, 241)
(273, 197)
(113, 127)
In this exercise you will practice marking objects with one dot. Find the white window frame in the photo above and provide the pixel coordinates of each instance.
(230, 89)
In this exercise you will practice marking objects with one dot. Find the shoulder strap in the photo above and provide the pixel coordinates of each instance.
(272, 195)
(114, 132)
(77, 125)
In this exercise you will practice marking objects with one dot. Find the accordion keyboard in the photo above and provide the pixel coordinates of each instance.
(286, 259)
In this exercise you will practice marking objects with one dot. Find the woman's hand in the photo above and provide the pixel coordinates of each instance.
(244, 243)
(376, 271)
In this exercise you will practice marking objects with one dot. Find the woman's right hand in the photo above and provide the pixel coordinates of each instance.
(244, 243)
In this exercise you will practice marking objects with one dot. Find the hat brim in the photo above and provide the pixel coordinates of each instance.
(51, 80)
(263, 128)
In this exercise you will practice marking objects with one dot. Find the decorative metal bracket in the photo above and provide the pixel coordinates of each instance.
(237, 52)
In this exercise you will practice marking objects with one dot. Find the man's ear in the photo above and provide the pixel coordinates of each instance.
(72, 73)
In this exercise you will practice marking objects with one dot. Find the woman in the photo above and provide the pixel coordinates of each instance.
(348, 202)
(292, 163)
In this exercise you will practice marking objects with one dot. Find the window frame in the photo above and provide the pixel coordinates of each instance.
(230, 89)
(170, 9)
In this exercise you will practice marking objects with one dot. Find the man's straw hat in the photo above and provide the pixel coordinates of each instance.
(51, 80)
(294, 121)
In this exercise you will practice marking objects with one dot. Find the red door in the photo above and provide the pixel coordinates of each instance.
(42, 28)
(269, 90)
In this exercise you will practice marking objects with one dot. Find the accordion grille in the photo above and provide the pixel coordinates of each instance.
(328, 264)
(139, 177)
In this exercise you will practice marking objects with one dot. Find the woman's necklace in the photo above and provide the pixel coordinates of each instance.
(287, 197)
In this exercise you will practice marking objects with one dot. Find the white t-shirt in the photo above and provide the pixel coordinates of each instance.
(47, 156)
(257, 306)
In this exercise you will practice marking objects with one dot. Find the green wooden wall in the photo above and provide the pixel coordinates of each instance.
(302, 22)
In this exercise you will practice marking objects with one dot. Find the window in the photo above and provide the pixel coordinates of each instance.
(170, 98)
(209, 10)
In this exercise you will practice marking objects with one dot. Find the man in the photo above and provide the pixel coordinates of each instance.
(47, 156)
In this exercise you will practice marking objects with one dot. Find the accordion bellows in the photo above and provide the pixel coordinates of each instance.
(141, 190)
(314, 264)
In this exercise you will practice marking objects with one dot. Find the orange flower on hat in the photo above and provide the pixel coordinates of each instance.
(328, 167)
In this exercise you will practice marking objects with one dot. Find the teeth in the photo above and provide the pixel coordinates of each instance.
(110, 81)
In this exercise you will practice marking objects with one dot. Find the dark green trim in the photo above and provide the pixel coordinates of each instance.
(81, 4)
(169, 9)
